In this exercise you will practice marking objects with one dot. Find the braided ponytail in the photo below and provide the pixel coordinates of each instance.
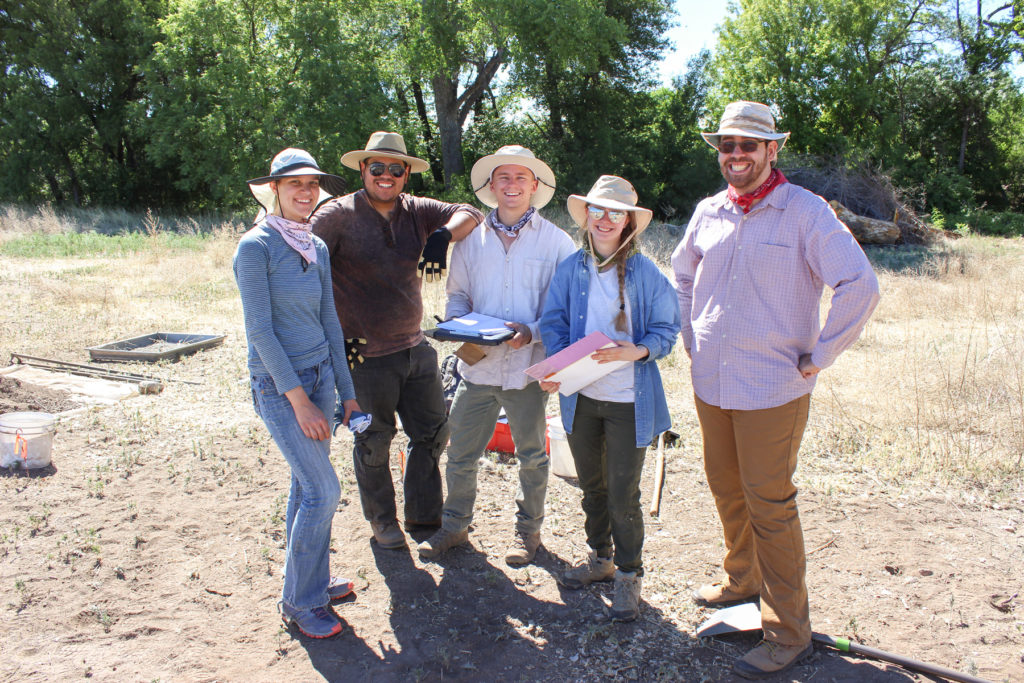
(620, 267)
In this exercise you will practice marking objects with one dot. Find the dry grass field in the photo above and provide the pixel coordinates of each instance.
(151, 549)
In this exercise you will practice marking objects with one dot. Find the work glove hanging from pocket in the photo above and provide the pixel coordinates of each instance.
(352, 352)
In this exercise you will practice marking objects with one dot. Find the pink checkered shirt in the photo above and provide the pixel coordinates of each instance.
(749, 291)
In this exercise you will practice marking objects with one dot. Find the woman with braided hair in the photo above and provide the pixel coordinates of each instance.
(608, 286)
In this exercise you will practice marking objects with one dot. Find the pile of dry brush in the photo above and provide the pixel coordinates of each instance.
(864, 190)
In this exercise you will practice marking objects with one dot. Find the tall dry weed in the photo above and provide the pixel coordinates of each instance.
(935, 387)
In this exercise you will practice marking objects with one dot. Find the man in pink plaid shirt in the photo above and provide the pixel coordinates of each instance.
(750, 273)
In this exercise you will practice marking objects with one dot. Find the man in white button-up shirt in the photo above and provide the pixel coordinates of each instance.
(503, 271)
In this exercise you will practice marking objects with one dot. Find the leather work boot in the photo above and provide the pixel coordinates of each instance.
(715, 594)
(441, 541)
(523, 549)
(626, 602)
(768, 659)
(388, 535)
(596, 568)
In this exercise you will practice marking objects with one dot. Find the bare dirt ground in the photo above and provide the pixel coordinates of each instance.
(151, 550)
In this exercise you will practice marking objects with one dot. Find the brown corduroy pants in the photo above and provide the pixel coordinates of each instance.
(749, 459)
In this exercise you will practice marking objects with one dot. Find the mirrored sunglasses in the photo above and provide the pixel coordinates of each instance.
(596, 212)
(746, 146)
(377, 169)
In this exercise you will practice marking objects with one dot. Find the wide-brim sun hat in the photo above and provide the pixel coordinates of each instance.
(747, 120)
(384, 144)
(610, 192)
(480, 175)
(293, 162)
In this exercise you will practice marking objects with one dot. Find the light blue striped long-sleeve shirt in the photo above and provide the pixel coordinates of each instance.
(290, 320)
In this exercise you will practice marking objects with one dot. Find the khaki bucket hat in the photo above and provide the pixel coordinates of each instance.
(748, 120)
(609, 192)
(384, 144)
(480, 176)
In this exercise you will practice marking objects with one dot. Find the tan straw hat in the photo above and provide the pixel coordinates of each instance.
(747, 120)
(609, 192)
(384, 144)
(480, 176)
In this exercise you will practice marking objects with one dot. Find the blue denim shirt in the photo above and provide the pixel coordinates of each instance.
(655, 319)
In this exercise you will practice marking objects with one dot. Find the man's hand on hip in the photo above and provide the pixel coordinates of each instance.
(806, 367)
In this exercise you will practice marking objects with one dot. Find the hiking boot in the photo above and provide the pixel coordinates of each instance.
(768, 659)
(440, 542)
(716, 594)
(388, 535)
(596, 568)
(626, 602)
(523, 549)
(338, 588)
(313, 623)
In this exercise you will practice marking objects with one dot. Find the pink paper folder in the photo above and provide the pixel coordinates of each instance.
(573, 367)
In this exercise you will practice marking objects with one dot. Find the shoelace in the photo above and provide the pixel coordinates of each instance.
(320, 613)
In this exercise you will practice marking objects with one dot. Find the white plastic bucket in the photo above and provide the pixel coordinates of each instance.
(26, 439)
(562, 463)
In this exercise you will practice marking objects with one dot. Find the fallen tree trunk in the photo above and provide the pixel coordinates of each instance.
(867, 230)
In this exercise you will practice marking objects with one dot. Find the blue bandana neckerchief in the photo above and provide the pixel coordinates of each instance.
(510, 230)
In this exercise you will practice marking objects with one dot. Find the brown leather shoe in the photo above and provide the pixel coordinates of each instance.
(388, 535)
(716, 594)
(768, 659)
(523, 548)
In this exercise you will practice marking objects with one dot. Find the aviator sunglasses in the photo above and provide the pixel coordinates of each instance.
(377, 169)
(595, 213)
(746, 146)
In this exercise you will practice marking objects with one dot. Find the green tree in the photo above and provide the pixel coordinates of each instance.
(235, 82)
(71, 101)
(452, 53)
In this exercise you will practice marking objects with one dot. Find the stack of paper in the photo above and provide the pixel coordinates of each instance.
(573, 368)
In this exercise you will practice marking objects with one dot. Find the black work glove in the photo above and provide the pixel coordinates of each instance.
(352, 345)
(435, 255)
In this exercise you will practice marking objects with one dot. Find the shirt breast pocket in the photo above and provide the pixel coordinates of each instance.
(772, 266)
(537, 274)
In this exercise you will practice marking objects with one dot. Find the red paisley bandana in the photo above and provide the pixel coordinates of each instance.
(775, 178)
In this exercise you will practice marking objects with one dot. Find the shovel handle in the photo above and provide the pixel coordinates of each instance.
(659, 476)
(845, 645)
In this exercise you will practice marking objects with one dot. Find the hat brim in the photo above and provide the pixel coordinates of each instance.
(714, 138)
(480, 177)
(352, 159)
(577, 205)
(267, 198)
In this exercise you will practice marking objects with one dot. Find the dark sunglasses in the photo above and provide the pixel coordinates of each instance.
(377, 169)
(747, 146)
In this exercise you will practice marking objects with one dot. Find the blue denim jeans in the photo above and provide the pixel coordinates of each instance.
(313, 498)
(474, 414)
